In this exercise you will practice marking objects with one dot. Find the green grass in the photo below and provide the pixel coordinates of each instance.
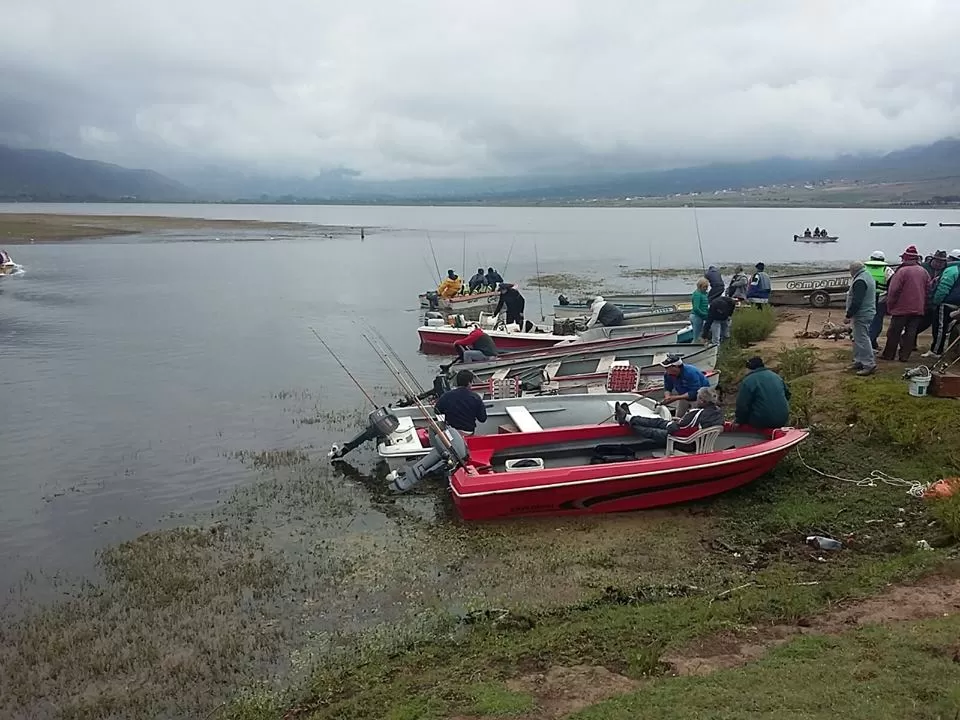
(752, 324)
(496, 700)
(796, 362)
(875, 673)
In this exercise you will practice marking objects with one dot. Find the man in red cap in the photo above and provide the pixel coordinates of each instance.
(906, 304)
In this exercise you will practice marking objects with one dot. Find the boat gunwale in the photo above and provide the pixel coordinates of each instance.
(791, 437)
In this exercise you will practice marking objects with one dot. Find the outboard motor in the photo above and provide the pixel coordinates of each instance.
(433, 299)
(381, 421)
(440, 459)
(562, 300)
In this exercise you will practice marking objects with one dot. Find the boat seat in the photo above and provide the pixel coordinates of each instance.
(522, 418)
(501, 388)
(703, 441)
(659, 358)
(606, 363)
(501, 373)
(623, 378)
(550, 370)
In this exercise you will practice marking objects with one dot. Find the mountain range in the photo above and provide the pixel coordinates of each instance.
(52, 176)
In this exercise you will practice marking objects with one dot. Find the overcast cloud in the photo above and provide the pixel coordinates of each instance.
(433, 88)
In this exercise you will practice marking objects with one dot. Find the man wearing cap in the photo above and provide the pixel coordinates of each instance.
(451, 286)
(881, 272)
(944, 300)
(934, 265)
(514, 302)
(861, 307)
(763, 400)
(906, 302)
(681, 383)
(707, 413)
(604, 313)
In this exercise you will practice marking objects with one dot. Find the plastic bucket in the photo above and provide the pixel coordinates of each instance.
(919, 385)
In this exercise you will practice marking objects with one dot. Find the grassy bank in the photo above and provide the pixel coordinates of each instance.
(16, 228)
(739, 568)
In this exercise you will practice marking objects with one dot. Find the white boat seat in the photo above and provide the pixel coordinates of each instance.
(659, 358)
(522, 418)
(702, 441)
(605, 363)
(551, 369)
(501, 373)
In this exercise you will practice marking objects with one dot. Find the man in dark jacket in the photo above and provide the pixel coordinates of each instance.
(944, 300)
(604, 313)
(476, 347)
(477, 281)
(716, 282)
(511, 298)
(716, 328)
(706, 413)
(462, 408)
(493, 278)
(763, 400)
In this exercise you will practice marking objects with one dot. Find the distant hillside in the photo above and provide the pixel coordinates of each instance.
(41, 175)
(938, 162)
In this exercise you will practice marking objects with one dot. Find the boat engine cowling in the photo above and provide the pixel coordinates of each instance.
(380, 423)
(440, 460)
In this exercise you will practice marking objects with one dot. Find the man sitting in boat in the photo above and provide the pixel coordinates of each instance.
(763, 400)
(707, 413)
(816, 232)
(681, 383)
(476, 347)
(477, 281)
(462, 408)
(451, 286)
(4, 258)
(604, 313)
(511, 298)
(806, 233)
(493, 278)
(823, 233)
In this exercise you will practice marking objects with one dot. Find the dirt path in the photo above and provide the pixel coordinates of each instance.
(561, 691)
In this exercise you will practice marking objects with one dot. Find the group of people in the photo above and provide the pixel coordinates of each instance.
(763, 401)
(816, 233)
(452, 284)
(919, 293)
(713, 303)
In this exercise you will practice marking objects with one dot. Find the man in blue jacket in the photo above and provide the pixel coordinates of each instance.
(758, 291)
(944, 301)
(681, 383)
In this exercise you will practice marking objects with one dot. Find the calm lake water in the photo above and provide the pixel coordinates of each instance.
(132, 369)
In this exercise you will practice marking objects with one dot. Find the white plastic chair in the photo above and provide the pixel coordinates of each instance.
(702, 440)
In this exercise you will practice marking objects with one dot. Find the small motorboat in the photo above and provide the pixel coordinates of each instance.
(586, 364)
(439, 335)
(956, 224)
(882, 224)
(633, 310)
(594, 468)
(914, 224)
(460, 303)
(815, 239)
(410, 441)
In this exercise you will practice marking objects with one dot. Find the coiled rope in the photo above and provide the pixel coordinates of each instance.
(875, 478)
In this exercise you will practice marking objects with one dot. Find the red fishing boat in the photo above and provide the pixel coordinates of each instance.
(569, 470)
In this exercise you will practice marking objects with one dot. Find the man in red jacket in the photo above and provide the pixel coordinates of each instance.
(476, 347)
(906, 304)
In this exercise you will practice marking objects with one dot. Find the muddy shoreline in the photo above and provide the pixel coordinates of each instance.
(20, 229)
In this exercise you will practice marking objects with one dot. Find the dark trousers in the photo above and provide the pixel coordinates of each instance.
(942, 325)
(515, 317)
(653, 429)
(901, 334)
(876, 327)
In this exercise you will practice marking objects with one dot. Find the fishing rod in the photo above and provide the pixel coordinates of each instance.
(340, 362)
(432, 252)
(399, 359)
(699, 241)
(536, 256)
(509, 253)
(431, 421)
(653, 279)
(463, 267)
(430, 269)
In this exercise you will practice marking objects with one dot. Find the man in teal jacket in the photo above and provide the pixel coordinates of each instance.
(944, 300)
(764, 398)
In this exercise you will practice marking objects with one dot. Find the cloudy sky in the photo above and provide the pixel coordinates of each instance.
(438, 88)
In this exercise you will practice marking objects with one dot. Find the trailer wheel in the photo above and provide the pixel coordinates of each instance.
(820, 299)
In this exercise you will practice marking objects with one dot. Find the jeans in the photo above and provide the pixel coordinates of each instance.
(719, 331)
(696, 322)
(472, 356)
(876, 327)
(902, 334)
(862, 348)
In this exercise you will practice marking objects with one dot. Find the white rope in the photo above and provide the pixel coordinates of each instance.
(914, 489)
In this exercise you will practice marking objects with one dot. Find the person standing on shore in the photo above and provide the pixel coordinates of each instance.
(717, 327)
(944, 300)
(738, 285)
(861, 307)
(906, 301)
(881, 272)
(716, 282)
(758, 292)
(701, 307)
